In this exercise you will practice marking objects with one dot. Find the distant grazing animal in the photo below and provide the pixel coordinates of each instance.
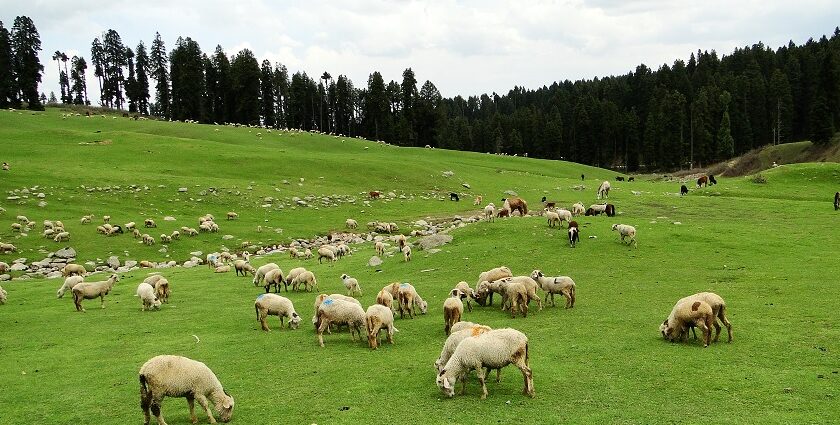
(374, 194)
(836, 201)
(503, 213)
(478, 200)
(517, 204)
(453, 196)
(683, 190)
(582, 177)
(712, 179)
(619, 178)
(548, 204)
(604, 190)
(610, 210)
(630, 179)
(703, 181)
(574, 233)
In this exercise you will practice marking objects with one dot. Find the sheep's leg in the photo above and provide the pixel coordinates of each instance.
(203, 402)
(722, 316)
(145, 403)
(391, 334)
(325, 324)
(498, 374)
(529, 380)
(480, 373)
(717, 330)
(102, 300)
(191, 403)
(155, 407)
(463, 379)
(264, 323)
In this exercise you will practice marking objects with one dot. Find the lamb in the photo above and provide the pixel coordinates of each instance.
(564, 215)
(690, 313)
(351, 224)
(176, 376)
(85, 219)
(400, 240)
(556, 285)
(149, 223)
(466, 293)
(380, 248)
(3, 295)
(718, 311)
(385, 298)
(68, 285)
(491, 275)
(626, 231)
(377, 318)
(352, 285)
(106, 219)
(406, 250)
(574, 234)
(232, 215)
(604, 190)
(578, 209)
(275, 305)
(307, 278)
(222, 269)
(136, 233)
(130, 225)
(490, 212)
(242, 266)
(262, 270)
(73, 269)
(504, 212)
(453, 309)
(336, 311)
(326, 251)
(62, 237)
(293, 273)
(478, 200)
(552, 217)
(493, 349)
(548, 205)
(147, 296)
(307, 254)
(461, 331)
(514, 293)
(91, 290)
(409, 299)
(274, 277)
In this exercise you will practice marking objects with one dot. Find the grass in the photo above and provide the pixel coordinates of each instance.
(766, 248)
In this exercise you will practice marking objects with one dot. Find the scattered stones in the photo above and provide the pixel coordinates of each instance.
(434, 241)
(65, 253)
(511, 193)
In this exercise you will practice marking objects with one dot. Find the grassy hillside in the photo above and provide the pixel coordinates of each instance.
(763, 158)
(766, 248)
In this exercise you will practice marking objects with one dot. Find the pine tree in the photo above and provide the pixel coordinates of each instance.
(8, 91)
(187, 74)
(131, 92)
(281, 94)
(267, 94)
(375, 111)
(408, 98)
(222, 110)
(245, 81)
(141, 63)
(726, 144)
(113, 60)
(160, 72)
(26, 43)
(97, 57)
(78, 66)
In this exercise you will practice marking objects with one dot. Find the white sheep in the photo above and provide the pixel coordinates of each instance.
(459, 332)
(494, 274)
(162, 289)
(130, 225)
(385, 298)
(377, 318)
(17, 227)
(688, 314)
(176, 376)
(626, 231)
(275, 305)
(7, 247)
(406, 250)
(409, 299)
(222, 269)
(604, 190)
(327, 252)
(552, 217)
(338, 312)
(493, 349)
(307, 253)
(307, 278)
(106, 219)
(242, 266)
(380, 248)
(352, 285)
(232, 215)
(85, 219)
(490, 212)
(68, 285)
(293, 273)
(578, 209)
(467, 293)
(3, 295)
(556, 285)
(4, 267)
(293, 253)
(565, 215)
(274, 277)
(351, 224)
(149, 223)
(176, 235)
(22, 219)
(718, 306)
(147, 296)
(262, 270)
(91, 290)
(453, 309)
(514, 294)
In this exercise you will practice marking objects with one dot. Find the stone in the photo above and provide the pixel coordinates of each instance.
(188, 264)
(466, 185)
(510, 193)
(196, 253)
(374, 261)
(182, 189)
(66, 253)
(5, 277)
(53, 275)
(434, 241)
(113, 262)
(169, 218)
(130, 263)
(227, 237)
(18, 267)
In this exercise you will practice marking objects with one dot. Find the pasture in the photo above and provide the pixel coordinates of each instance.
(767, 249)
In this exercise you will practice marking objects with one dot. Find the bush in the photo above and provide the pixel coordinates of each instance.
(759, 179)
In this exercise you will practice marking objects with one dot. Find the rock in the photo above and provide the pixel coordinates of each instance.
(467, 185)
(171, 263)
(18, 267)
(511, 193)
(5, 277)
(374, 261)
(421, 223)
(169, 218)
(434, 241)
(130, 263)
(196, 253)
(53, 275)
(113, 262)
(392, 195)
(433, 251)
(123, 269)
(66, 253)
(448, 174)
(90, 266)
(20, 260)
(182, 189)
(188, 264)
(227, 237)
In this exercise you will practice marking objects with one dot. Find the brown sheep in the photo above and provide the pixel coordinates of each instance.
(453, 308)
(517, 204)
(703, 181)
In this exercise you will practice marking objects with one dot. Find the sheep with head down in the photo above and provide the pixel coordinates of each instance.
(628, 232)
(685, 315)
(276, 305)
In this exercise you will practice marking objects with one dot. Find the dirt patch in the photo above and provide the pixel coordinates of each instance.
(97, 143)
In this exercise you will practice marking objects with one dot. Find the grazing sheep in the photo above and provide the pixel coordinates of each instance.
(556, 285)
(62, 237)
(262, 270)
(176, 235)
(490, 212)
(307, 278)
(604, 190)
(147, 296)
(619, 178)
(459, 332)
(22, 219)
(68, 285)
(478, 200)
(352, 285)
(351, 224)
(338, 312)
(574, 234)
(17, 227)
(130, 225)
(85, 219)
(385, 298)
(106, 219)
(400, 240)
(378, 318)
(514, 294)
(453, 196)
(718, 311)
(149, 223)
(453, 309)
(493, 349)
(307, 254)
(380, 248)
(578, 209)
(683, 190)
(491, 275)
(565, 215)
(232, 215)
(7, 247)
(242, 266)
(275, 305)
(504, 212)
(466, 293)
(148, 239)
(274, 277)
(73, 269)
(165, 239)
(406, 250)
(516, 204)
(293, 273)
(136, 233)
(91, 290)
(552, 217)
(222, 269)
(176, 376)
(162, 289)
(3, 295)
(461, 326)
(146, 264)
(596, 209)
(610, 210)
(49, 233)
(4, 267)
(626, 231)
(409, 299)
(703, 181)
(326, 251)
(686, 314)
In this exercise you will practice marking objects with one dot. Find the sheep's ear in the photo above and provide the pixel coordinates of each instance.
(294, 315)
(442, 371)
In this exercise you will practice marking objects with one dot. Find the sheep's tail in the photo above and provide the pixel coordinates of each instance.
(143, 387)
(369, 323)
(257, 310)
(527, 362)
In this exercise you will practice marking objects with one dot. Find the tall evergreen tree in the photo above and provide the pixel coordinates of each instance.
(245, 80)
(114, 60)
(26, 43)
(408, 98)
(8, 90)
(726, 143)
(77, 76)
(97, 57)
(376, 108)
(131, 89)
(281, 94)
(160, 72)
(267, 94)
(187, 74)
(141, 64)
(221, 105)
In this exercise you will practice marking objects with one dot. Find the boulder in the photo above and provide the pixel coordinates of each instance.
(374, 261)
(18, 267)
(67, 252)
(113, 262)
(434, 241)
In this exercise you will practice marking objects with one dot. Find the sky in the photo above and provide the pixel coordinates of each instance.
(463, 47)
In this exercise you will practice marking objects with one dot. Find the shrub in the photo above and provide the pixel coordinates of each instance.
(759, 179)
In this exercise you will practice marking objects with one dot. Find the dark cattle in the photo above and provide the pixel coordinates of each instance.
(453, 196)
(836, 201)
(630, 179)
(683, 190)
(125, 114)
(610, 210)
(503, 213)
(703, 181)
(712, 179)
(619, 178)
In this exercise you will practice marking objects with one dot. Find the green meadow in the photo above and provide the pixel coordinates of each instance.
(769, 249)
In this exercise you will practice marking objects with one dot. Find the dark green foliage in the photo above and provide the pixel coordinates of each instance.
(267, 94)
(245, 81)
(187, 74)
(141, 88)
(77, 76)
(8, 90)
(160, 72)
(27, 68)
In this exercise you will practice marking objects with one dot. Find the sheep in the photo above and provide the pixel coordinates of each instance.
(477, 200)
(192, 232)
(380, 248)
(453, 309)
(374, 194)
(165, 239)
(49, 233)
(689, 313)
(466, 293)
(516, 204)
(149, 223)
(514, 293)
(162, 289)
(62, 237)
(530, 288)
(552, 217)
(377, 318)
(4, 267)
(130, 225)
(351, 224)
(232, 215)
(503, 212)
(352, 285)
(718, 311)
(409, 299)
(683, 190)
(73, 269)
(596, 209)
(91, 290)
(17, 227)
(574, 234)
(578, 209)
(836, 201)
(147, 296)
(176, 235)
(493, 349)
(274, 277)
(106, 219)
(548, 205)
(148, 239)
(556, 285)
(176, 376)
(459, 327)
(385, 298)
(242, 266)
(22, 219)
(222, 269)
(136, 233)
(307, 278)
(406, 250)
(336, 311)
(262, 270)
(604, 190)
(326, 251)
(293, 273)
(619, 178)
(491, 275)
(85, 219)
(454, 196)
(400, 240)
(7, 247)
(146, 264)
(3, 295)
(490, 212)
(564, 215)
(307, 254)
(461, 331)
(275, 305)
(626, 231)
(68, 285)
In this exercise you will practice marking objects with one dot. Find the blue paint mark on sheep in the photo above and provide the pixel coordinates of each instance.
(260, 296)
(328, 301)
(404, 285)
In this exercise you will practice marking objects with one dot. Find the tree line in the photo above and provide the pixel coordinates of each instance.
(693, 112)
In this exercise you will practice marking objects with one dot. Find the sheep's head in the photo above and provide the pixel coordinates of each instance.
(536, 274)
(614, 227)
(344, 276)
(294, 322)
(443, 383)
(60, 292)
(424, 306)
(667, 331)
(156, 303)
(225, 408)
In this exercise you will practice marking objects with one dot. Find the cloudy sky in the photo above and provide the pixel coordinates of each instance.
(463, 47)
